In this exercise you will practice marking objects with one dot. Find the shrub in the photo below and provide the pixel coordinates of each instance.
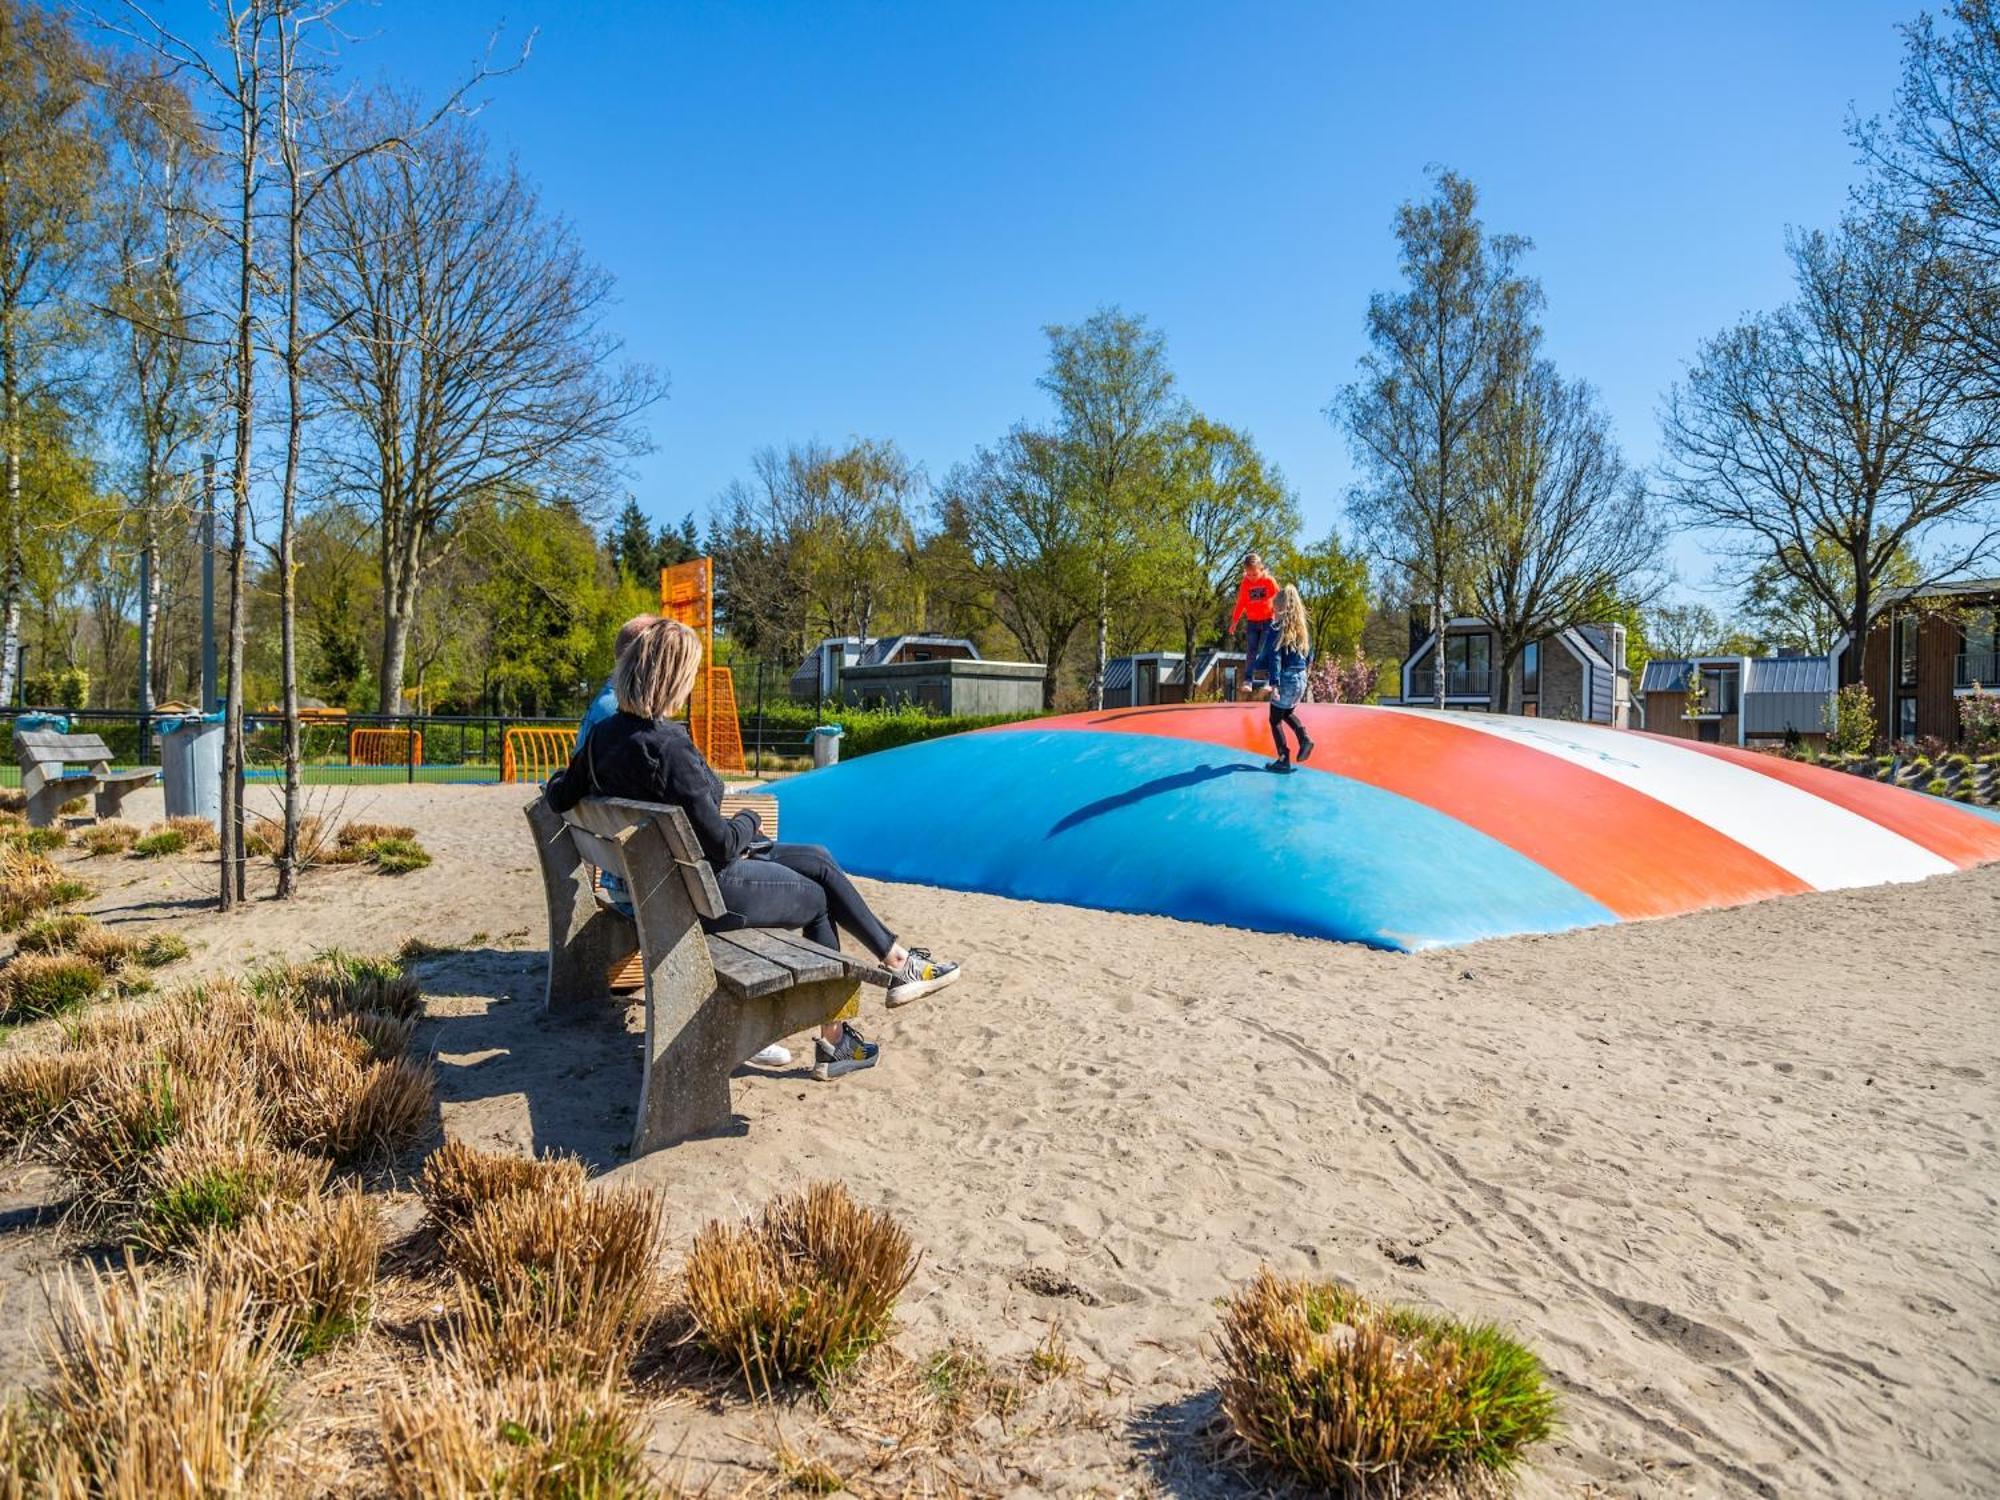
(310, 1268)
(867, 730)
(113, 837)
(46, 984)
(399, 856)
(154, 1391)
(805, 1290)
(159, 843)
(457, 1179)
(1937, 786)
(517, 1437)
(1360, 1398)
(556, 1280)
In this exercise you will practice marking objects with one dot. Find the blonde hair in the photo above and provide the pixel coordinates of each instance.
(1292, 632)
(629, 632)
(655, 673)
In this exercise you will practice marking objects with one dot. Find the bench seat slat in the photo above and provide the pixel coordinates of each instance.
(807, 965)
(743, 973)
(864, 969)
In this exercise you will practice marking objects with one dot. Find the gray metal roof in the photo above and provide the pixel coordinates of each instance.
(881, 650)
(1665, 676)
(1790, 674)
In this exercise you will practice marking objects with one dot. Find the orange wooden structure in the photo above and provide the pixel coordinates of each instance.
(534, 752)
(687, 594)
(385, 747)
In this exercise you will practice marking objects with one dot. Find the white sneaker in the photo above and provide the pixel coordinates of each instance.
(777, 1055)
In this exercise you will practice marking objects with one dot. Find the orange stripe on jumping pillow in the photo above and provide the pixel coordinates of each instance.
(1636, 855)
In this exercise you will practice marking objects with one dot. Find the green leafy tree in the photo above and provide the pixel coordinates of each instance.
(1333, 582)
(1114, 397)
(1218, 499)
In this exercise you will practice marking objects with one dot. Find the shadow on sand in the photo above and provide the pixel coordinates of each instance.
(538, 1083)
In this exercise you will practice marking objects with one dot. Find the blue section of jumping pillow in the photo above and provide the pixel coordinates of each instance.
(1177, 828)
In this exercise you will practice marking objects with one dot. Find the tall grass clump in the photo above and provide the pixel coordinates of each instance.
(518, 1437)
(33, 985)
(390, 847)
(557, 1281)
(113, 836)
(30, 885)
(168, 1392)
(74, 933)
(159, 843)
(310, 1268)
(804, 1290)
(201, 835)
(33, 840)
(458, 1179)
(1359, 1398)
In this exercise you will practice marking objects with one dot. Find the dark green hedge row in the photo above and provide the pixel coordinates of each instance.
(785, 727)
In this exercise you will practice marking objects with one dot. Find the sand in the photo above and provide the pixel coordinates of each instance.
(1734, 1175)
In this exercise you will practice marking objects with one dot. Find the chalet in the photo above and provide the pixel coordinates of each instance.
(1578, 672)
(1152, 677)
(1928, 650)
(818, 678)
(1744, 700)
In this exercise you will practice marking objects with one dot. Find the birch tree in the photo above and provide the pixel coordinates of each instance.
(1439, 350)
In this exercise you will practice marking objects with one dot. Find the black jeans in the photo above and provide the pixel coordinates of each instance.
(1279, 718)
(798, 886)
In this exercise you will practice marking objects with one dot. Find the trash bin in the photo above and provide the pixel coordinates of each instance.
(191, 765)
(826, 744)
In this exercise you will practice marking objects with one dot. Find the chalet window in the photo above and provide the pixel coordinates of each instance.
(1906, 718)
(1468, 662)
(1718, 690)
(1531, 669)
(1979, 662)
(1147, 676)
(1906, 651)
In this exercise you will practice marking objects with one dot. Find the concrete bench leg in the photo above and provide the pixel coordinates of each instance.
(46, 803)
(585, 940)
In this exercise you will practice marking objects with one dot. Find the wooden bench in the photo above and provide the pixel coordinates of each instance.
(46, 756)
(716, 992)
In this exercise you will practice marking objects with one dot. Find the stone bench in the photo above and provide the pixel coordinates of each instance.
(48, 784)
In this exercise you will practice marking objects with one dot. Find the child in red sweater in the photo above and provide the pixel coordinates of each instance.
(1256, 598)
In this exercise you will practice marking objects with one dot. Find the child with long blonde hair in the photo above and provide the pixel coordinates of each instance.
(1289, 654)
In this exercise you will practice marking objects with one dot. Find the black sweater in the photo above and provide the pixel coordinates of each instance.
(655, 760)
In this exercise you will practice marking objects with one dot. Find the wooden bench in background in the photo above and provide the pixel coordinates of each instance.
(46, 756)
(713, 999)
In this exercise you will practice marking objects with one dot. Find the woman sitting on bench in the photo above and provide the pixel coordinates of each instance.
(643, 752)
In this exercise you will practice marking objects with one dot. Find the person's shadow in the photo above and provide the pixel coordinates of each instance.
(1159, 786)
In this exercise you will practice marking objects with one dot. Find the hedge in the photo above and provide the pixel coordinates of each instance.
(866, 729)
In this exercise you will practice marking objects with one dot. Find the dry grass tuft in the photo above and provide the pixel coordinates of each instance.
(371, 833)
(46, 984)
(75, 933)
(804, 1290)
(201, 835)
(56, 934)
(311, 1268)
(163, 1392)
(557, 1281)
(158, 843)
(457, 1180)
(18, 835)
(335, 984)
(520, 1437)
(211, 1179)
(30, 885)
(1360, 1398)
(113, 836)
(34, 1086)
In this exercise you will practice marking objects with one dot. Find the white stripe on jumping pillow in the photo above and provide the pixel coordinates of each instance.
(1826, 846)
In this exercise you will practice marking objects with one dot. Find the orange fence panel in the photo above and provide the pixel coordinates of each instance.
(385, 747)
(712, 720)
(535, 753)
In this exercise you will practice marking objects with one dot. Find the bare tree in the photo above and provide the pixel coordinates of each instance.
(1829, 440)
(1440, 349)
(469, 353)
(1678, 632)
(1560, 523)
(1014, 510)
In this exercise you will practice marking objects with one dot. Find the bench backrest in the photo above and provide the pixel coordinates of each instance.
(602, 825)
(44, 747)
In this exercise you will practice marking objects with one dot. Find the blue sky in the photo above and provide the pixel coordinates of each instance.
(832, 219)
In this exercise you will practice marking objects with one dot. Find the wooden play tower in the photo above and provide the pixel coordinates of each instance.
(687, 594)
